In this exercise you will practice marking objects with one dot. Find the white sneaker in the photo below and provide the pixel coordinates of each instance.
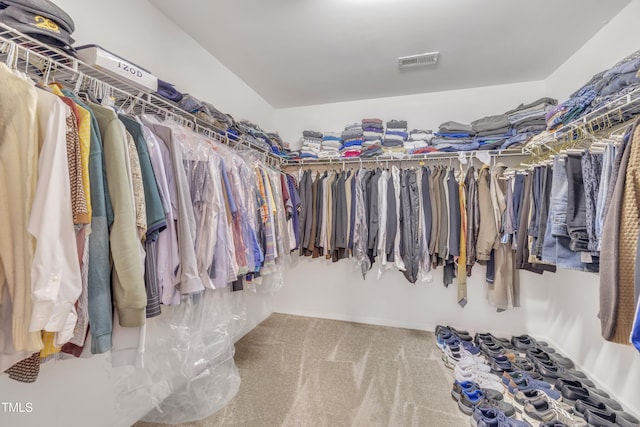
(536, 411)
(483, 379)
(471, 363)
(464, 357)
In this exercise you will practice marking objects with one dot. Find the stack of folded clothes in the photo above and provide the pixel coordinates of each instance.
(492, 131)
(331, 143)
(290, 153)
(168, 91)
(311, 144)
(602, 89)
(395, 137)
(575, 106)
(352, 140)
(620, 80)
(454, 136)
(418, 141)
(530, 118)
(373, 132)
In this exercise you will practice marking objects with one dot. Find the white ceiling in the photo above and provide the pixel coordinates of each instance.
(304, 52)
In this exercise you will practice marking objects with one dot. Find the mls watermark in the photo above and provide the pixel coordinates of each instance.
(16, 407)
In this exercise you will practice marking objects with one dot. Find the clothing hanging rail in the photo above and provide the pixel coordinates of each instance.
(435, 156)
(607, 116)
(41, 61)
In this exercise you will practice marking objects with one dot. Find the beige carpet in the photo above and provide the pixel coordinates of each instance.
(299, 371)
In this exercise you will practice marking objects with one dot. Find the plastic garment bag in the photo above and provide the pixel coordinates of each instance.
(189, 372)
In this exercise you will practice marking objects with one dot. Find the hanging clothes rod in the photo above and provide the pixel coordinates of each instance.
(435, 156)
(605, 117)
(42, 62)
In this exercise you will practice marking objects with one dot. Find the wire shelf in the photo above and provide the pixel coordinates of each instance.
(607, 116)
(436, 155)
(42, 61)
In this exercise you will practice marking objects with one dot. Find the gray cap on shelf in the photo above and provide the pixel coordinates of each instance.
(44, 9)
(30, 23)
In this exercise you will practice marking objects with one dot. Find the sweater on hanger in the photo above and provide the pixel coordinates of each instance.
(609, 267)
(19, 160)
(627, 244)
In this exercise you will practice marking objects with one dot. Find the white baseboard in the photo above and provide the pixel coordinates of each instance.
(393, 323)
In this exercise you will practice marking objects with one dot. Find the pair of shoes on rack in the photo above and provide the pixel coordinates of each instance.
(527, 384)
(609, 419)
(492, 417)
(543, 409)
(448, 330)
(518, 375)
(469, 401)
(446, 336)
(478, 375)
(561, 382)
(490, 338)
(524, 342)
(468, 387)
(551, 372)
(538, 353)
(572, 394)
(454, 355)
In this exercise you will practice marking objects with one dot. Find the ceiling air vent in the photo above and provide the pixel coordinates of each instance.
(421, 60)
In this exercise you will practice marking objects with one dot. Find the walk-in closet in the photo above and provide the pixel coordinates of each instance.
(320, 213)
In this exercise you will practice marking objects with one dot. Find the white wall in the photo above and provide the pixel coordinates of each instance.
(139, 32)
(615, 41)
(319, 288)
(81, 392)
(422, 111)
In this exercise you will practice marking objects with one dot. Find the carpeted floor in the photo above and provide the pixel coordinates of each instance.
(299, 371)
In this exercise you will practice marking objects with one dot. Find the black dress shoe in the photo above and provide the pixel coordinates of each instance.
(463, 335)
(522, 342)
(573, 394)
(583, 405)
(498, 367)
(524, 364)
(626, 420)
(551, 372)
(490, 338)
(491, 348)
(561, 382)
(600, 419)
(540, 354)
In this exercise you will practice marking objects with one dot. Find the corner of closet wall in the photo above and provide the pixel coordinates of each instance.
(141, 33)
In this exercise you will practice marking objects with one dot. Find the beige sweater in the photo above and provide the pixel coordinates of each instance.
(18, 178)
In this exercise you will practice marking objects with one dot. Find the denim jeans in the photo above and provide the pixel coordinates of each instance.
(547, 182)
(605, 181)
(534, 222)
(555, 247)
(576, 204)
(518, 187)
